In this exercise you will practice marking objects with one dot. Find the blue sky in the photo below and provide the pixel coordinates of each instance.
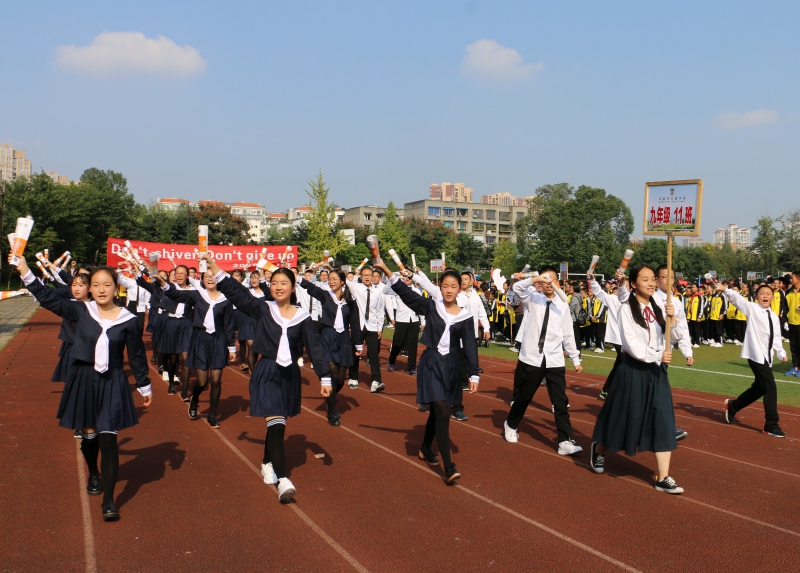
(247, 101)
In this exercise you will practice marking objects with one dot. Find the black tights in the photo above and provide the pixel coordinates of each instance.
(251, 356)
(338, 376)
(439, 425)
(107, 444)
(175, 361)
(216, 389)
(273, 449)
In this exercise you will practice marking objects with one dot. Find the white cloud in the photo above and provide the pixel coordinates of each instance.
(130, 54)
(755, 118)
(488, 60)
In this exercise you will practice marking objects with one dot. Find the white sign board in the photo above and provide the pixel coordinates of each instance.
(673, 207)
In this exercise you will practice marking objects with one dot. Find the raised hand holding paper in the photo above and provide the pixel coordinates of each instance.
(21, 235)
(372, 245)
(626, 260)
(396, 259)
(592, 266)
(202, 243)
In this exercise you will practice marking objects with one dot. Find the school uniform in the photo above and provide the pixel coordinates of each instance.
(371, 304)
(718, 306)
(214, 337)
(599, 312)
(548, 332)
(638, 414)
(407, 328)
(340, 324)
(762, 338)
(246, 325)
(275, 383)
(793, 320)
(176, 336)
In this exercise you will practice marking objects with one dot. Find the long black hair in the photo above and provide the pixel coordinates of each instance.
(451, 273)
(346, 294)
(636, 312)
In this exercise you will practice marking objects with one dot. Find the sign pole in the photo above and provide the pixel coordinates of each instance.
(667, 332)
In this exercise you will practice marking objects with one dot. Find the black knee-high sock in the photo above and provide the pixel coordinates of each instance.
(90, 448)
(172, 366)
(109, 464)
(216, 392)
(442, 430)
(274, 449)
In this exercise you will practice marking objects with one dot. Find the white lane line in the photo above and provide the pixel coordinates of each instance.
(299, 512)
(88, 528)
(508, 510)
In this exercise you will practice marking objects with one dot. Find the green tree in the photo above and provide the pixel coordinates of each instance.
(469, 252)
(223, 227)
(321, 224)
(765, 246)
(355, 254)
(505, 258)
(789, 259)
(393, 234)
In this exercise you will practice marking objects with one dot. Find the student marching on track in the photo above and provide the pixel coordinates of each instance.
(763, 336)
(548, 332)
(213, 339)
(369, 297)
(275, 382)
(97, 398)
(340, 329)
(638, 414)
(176, 337)
(793, 323)
(407, 328)
(449, 332)
(247, 325)
(79, 287)
(239, 276)
(612, 304)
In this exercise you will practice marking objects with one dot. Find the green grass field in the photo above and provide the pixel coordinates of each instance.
(715, 370)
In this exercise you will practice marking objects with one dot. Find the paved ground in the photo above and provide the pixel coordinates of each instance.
(15, 312)
(191, 498)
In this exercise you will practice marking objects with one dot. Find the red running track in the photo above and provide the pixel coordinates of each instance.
(191, 498)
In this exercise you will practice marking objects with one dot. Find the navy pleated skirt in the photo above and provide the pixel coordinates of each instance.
(64, 362)
(337, 347)
(247, 327)
(439, 377)
(155, 324)
(176, 336)
(638, 414)
(208, 351)
(94, 400)
(274, 389)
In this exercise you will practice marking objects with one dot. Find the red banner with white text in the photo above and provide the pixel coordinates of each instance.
(228, 258)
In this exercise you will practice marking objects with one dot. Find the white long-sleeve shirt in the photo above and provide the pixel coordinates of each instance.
(465, 299)
(559, 328)
(377, 305)
(679, 330)
(643, 344)
(403, 312)
(613, 304)
(756, 345)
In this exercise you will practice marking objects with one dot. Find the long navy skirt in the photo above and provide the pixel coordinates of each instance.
(176, 336)
(94, 400)
(208, 352)
(638, 414)
(64, 362)
(247, 327)
(337, 347)
(439, 377)
(156, 322)
(274, 389)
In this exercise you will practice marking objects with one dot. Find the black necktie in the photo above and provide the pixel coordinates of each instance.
(366, 314)
(771, 338)
(543, 333)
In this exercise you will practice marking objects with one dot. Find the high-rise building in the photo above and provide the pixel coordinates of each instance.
(486, 224)
(59, 179)
(505, 199)
(256, 217)
(737, 237)
(693, 242)
(455, 192)
(13, 163)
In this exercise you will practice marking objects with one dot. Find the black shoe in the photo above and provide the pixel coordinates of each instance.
(668, 485)
(171, 389)
(333, 420)
(185, 397)
(729, 414)
(424, 407)
(598, 461)
(459, 415)
(95, 486)
(110, 512)
(451, 474)
(427, 454)
(212, 421)
(480, 370)
(337, 415)
(778, 433)
(603, 395)
(78, 435)
(193, 409)
(160, 369)
(153, 360)
(680, 435)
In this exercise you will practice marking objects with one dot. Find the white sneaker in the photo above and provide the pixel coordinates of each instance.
(599, 350)
(737, 343)
(377, 386)
(353, 384)
(300, 362)
(268, 474)
(695, 346)
(285, 490)
(165, 376)
(568, 448)
(510, 434)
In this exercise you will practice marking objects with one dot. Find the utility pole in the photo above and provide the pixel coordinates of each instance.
(2, 211)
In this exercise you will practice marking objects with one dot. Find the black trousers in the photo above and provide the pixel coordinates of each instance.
(406, 337)
(600, 335)
(527, 379)
(763, 386)
(373, 350)
(617, 362)
(695, 331)
(718, 330)
(794, 344)
(741, 328)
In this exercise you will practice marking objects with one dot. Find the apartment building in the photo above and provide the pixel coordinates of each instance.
(693, 242)
(172, 203)
(505, 199)
(455, 192)
(737, 237)
(487, 224)
(256, 217)
(13, 163)
(368, 216)
(59, 179)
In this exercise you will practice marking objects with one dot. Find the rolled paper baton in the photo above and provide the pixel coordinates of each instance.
(709, 277)
(595, 258)
(372, 245)
(40, 256)
(11, 237)
(330, 261)
(524, 275)
(626, 260)
(396, 259)
(444, 265)
(60, 259)
(44, 270)
(326, 254)
(413, 260)
(361, 266)
(47, 254)
(561, 294)
(265, 265)
(526, 269)
(66, 260)
(21, 234)
(11, 294)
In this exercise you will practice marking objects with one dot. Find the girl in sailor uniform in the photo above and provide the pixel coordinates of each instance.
(275, 381)
(156, 320)
(176, 339)
(247, 325)
(449, 332)
(97, 398)
(213, 341)
(339, 313)
(79, 287)
(638, 414)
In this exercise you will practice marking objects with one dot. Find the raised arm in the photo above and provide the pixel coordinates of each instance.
(426, 284)
(412, 299)
(313, 290)
(180, 295)
(47, 297)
